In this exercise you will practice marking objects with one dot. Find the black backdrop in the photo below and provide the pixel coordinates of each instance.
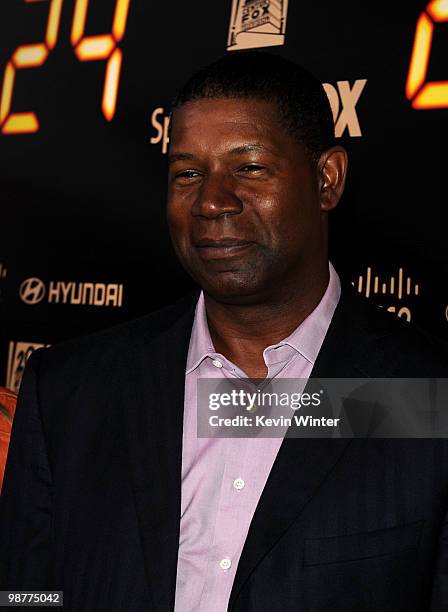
(84, 243)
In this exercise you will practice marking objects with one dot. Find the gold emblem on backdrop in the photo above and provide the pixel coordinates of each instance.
(18, 355)
(257, 23)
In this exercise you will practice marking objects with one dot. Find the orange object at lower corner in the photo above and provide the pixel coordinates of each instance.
(8, 401)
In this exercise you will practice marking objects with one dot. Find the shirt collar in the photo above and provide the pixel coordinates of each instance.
(201, 345)
(306, 339)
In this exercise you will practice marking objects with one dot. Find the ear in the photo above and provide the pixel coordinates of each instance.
(332, 169)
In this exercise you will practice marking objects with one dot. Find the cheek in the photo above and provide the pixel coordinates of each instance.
(263, 209)
(292, 221)
(277, 213)
(178, 218)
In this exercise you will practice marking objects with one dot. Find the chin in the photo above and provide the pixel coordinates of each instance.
(229, 288)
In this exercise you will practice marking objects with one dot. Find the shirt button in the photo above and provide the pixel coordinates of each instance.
(217, 363)
(238, 483)
(225, 564)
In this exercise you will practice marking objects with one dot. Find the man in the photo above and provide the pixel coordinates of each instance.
(111, 496)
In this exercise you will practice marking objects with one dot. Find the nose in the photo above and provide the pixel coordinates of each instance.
(216, 197)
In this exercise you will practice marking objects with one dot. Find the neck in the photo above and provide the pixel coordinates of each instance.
(241, 332)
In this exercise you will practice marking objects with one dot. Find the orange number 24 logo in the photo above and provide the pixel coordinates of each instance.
(87, 48)
(422, 93)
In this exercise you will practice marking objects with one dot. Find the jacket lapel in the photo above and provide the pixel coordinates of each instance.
(154, 399)
(303, 464)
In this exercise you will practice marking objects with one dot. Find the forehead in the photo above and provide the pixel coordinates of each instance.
(221, 123)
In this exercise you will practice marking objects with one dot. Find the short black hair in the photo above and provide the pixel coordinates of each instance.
(304, 109)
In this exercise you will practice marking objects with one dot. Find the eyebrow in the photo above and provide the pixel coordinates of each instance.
(246, 148)
(249, 148)
(174, 157)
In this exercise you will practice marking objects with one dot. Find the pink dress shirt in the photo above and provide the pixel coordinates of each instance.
(223, 478)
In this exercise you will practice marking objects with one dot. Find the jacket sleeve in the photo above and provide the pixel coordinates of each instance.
(26, 498)
(439, 601)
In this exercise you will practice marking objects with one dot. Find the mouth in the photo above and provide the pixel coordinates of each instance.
(224, 248)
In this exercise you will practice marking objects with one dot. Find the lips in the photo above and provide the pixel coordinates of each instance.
(221, 243)
(221, 248)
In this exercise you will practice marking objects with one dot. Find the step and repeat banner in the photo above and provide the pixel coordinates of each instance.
(85, 91)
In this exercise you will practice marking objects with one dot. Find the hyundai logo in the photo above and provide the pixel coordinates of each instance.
(32, 291)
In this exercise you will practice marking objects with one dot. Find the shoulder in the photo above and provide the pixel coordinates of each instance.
(405, 348)
(98, 352)
(79, 384)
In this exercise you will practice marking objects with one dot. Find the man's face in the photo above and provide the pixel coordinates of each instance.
(243, 200)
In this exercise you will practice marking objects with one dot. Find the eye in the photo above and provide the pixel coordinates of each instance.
(253, 169)
(186, 176)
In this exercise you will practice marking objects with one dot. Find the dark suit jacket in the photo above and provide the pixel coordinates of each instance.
(91, 499)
